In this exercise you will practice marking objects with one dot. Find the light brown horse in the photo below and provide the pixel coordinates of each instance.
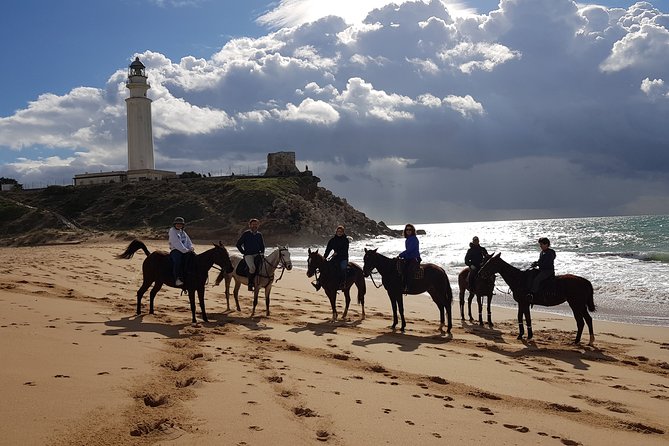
(574, 290)
(264, 278)
(157, 268)
(329, 279)
(434, 282)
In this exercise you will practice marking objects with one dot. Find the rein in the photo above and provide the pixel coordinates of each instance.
(371, 275)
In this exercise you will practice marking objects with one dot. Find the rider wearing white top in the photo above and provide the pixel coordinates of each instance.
(180, 244)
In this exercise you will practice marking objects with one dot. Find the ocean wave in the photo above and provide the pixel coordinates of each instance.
(649, 256)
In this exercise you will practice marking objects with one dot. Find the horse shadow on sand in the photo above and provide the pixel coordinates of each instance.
(323, 328)
(406, 342)
(251, 322)
(485, 333)
(137, 324)
(578, 356)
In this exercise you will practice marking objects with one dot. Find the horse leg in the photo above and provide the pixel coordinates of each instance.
(256, 290)
(400, 306)
(227, 291)
(152, 295)
(235, 293)
(479, 300)
(521, 329)
(578, 315)
(528, 321)
(462, 304)
(332, 295)
(347, 297)
(140, 293)
(200, 297)
(191, 299)
(588, 320)
(393, 303)
(469, 305)
(490, 324)
(268, 289)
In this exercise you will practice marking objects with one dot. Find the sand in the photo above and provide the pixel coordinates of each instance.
(79, 367)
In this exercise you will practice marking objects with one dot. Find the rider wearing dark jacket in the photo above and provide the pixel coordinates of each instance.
(339, 245)
(251, 244)
(475, 256)
(546, 264)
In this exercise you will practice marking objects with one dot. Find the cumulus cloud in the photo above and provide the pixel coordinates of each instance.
(538, 108)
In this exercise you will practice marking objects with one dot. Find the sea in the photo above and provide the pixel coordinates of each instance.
(626, 258)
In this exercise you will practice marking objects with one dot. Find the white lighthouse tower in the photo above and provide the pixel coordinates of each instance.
(140, 132)
(140, 137)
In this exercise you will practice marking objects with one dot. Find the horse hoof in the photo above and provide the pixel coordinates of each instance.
(519, 337)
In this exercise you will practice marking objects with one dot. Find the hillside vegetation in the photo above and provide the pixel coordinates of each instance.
(292, 210)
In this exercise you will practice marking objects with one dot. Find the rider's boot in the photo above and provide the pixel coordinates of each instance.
(316, 285)
(252, 279)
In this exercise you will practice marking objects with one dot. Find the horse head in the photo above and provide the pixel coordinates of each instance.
(490, 266)
(314, 262)
(284, 258)
(369, 262)
(222, 258)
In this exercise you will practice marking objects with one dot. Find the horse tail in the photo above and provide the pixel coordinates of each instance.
(132, 248)
(449, 291)
(591, 301)
(361, 284)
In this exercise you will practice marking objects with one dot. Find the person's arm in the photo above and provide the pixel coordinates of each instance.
(468, 257)
(328, 248)
(240, 243)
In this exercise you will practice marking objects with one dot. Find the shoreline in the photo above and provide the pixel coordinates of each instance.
(79, 367)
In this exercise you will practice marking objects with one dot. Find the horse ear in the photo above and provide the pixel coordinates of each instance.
(497, 255)
(308, 250)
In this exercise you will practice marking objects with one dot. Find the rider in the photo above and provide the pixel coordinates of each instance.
(180, 244)
(546, 264)
(339, 245)
(475, 256)
(251, 245)
(411, 255)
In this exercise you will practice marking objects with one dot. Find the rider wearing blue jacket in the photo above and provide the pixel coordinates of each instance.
(411, 254)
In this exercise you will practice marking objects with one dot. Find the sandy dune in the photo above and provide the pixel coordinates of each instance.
(78, 367)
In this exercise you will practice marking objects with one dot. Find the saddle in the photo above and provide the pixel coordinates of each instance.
(418, 273)
(243, 269)
(547, 287)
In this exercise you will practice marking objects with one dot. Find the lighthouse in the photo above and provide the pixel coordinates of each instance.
(140, 137)
(140, 133)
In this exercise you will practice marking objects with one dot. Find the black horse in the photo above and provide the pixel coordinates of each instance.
(574, 290)
(157, 268)
(434, 281)
(482, 287)
(329, 280)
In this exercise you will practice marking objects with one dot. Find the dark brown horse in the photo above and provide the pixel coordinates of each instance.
(482, 287)
(574, 290)
(157, 268)
(328, 277)
(433, 281)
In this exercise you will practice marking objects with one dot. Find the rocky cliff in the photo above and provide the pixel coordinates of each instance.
(293, 210)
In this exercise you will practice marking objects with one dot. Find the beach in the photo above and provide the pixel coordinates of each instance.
(80, 368)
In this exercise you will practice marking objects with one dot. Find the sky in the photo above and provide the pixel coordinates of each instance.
(414, 111)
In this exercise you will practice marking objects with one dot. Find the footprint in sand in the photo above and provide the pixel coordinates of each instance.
(322, 435)
(29, 383)
(521, 429)
(61, 376)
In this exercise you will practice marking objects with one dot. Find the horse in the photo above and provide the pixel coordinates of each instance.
(157, 268)
(329, 279)
(434, 280)
(482, 287)
(264, 277)
(574, 290)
